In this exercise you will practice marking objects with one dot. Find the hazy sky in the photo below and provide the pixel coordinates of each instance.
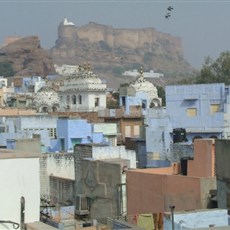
(203, 26)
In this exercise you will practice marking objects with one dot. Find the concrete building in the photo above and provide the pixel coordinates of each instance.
(140, 93)
(150, 74)
(67, 178)
(95, 166)
(109, 131)
(28, 84)
(79, 131)
(20, 187)
(171, 187)
(198, 219)
(5, 92)
(223, 173)
(24, 126)
(198, 108)
(128, 125)
(158, 129)
(201, 110)
(46, 100)
(66, 70)
(82, 91)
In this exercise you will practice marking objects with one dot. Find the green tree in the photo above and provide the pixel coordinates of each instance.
(6, 69)
(217, 71)
(161, 94)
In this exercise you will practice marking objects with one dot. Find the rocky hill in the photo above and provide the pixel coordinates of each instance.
(109, 51)
(112, 51)
(27, 57)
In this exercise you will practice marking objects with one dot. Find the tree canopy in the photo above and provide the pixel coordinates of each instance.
(6, 69)
(217, 71)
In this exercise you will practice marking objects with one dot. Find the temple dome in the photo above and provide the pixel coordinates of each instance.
(46, 99)
(83, 80)
(142, 85)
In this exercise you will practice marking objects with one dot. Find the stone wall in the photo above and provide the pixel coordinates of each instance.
(223, 173)
(106, 48)
(58, 165)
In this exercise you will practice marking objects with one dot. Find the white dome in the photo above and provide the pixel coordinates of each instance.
(141, 85)
(83, 80)
(46, 97)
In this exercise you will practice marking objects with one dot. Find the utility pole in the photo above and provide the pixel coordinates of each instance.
(22, 214)
(172, 207)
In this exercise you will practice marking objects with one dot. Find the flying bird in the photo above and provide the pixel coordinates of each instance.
(168, 15)
(170, 8)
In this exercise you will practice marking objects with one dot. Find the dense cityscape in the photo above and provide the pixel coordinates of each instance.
(76, 153)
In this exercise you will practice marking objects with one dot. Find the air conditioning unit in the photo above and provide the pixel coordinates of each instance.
(82, 205)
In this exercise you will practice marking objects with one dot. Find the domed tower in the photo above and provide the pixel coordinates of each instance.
(139, 93)
(142, 86)
(82, 91)
(46, 100)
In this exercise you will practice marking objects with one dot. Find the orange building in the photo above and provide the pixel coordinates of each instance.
(153, 190)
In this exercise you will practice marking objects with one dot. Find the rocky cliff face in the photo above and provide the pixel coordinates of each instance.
(27, 57)
(110, 50)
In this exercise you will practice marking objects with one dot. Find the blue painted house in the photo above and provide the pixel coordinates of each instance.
(140, 93)
(71, 132)
(192, 111)
(78, 131)
(199, 109)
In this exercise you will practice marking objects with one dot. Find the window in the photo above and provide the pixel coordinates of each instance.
(2, 129)
(123, 101)
(96, 101)
(44, 109)
(53, 133)
(68, 100)
(62, 140)
(74, 100)
(127, 131)
(191, 112)
(143, 104)
(79, 99)
(214, 108)
(136, 130)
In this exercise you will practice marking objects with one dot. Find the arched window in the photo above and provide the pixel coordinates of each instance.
(54, 108)
(74, 100)
(68, 100)
(97, 101)
(79, 99)
(44, 109)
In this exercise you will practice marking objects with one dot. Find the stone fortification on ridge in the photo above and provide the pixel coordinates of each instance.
(106, 48)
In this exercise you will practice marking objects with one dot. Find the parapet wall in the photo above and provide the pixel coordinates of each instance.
(114, 38)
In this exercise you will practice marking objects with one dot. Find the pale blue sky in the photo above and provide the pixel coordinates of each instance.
(203, 26)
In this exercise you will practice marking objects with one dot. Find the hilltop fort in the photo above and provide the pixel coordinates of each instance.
(109, 48)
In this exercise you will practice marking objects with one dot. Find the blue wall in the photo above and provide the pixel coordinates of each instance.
(75, 131)
(179, 98)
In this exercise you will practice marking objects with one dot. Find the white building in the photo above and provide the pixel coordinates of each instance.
(140, 93)
(135, 73)
(19, 180)
(83, 91)
(46, 100)
(66, 70)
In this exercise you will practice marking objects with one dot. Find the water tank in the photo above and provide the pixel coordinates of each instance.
(179, 135)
